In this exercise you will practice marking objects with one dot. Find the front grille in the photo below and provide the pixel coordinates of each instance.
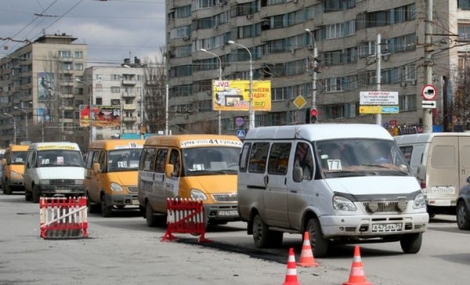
(133, 189)
(225, 197)
(383, 207)
(62, 182)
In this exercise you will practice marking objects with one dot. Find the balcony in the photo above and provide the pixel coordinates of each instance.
(129, 106)
(129, 94)
(129, 81)
(129, 119)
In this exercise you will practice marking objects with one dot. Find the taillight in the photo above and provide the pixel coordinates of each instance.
(423, 184)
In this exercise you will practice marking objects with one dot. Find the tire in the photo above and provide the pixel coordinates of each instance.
(106, 211)
(27, 195)
(411, 243)
(7, 189)
(150, 218)
(463, 216)
(36, 195)
(261, 232)
(317, 241)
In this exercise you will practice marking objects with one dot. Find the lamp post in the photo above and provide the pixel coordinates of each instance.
(220, 79)
(14, 126)
(251, 110)
(25, 122)
(314, 74)
(90, 105)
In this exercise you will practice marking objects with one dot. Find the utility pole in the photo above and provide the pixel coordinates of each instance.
(378, 76)
(313, 110)
(427, 113)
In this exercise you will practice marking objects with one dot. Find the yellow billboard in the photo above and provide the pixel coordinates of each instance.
(234, 95)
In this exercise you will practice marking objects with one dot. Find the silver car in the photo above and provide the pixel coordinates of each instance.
(463, 206)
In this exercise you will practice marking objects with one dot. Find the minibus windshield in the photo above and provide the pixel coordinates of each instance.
(55, 157)
(210, 160)
(17, 157)
(357, 157)
(123, 159)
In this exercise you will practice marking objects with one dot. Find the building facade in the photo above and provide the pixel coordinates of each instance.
(115, 93)
(39, 95)
(280, 37)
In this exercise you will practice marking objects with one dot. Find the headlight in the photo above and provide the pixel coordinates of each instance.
(116, 187)
(197, 194)
(419, 201)
(15, 174)
(343, 204)
(44, 182)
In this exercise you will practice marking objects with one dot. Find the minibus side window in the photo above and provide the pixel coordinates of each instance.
(176, 161)
(279, 158)
(102, 160)
(304, 159)
(407, 151)
(89, 159)
(161, 160)
(244, 157)
(148, 156)
(258, 155)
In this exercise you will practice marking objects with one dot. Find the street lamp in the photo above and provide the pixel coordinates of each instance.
(220, 79)
(14, 126)
(313, 110)
(90, 105)
(25, 122)
(251, 110)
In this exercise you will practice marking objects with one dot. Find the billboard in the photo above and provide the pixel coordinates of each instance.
(100, 116)
(45, 85)
(234, 95)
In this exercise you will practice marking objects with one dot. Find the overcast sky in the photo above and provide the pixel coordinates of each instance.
(112, 29)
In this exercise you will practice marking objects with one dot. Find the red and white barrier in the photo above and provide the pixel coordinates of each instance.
(185, 216)
(62, 217)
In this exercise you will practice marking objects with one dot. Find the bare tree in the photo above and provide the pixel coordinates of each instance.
(461, 98)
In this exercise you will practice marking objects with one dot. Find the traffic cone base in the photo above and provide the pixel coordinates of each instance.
(357, 276)
(291, 275)
(306, 256)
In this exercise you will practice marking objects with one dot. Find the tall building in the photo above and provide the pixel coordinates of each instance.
(39, 95)
(281, 37)
(115, 94)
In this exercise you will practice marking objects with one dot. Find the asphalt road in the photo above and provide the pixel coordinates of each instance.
(122, 249)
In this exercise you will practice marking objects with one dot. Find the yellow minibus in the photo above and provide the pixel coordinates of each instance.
(13, 168)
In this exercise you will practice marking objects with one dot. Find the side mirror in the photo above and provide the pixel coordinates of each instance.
(421, 172)
(468, 179)
(96, 167)
(169, 168)
(298, 174)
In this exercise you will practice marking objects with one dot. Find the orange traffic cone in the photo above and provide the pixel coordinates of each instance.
(291, 275)
(306, 256)
(357, 271)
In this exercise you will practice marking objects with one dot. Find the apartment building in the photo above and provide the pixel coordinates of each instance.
(279, 37)
(115, 93)
(39, 95)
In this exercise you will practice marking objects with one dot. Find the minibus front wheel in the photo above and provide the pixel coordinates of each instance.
(318, 242)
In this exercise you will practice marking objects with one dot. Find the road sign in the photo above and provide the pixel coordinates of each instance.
(429, 92)
(300, 102)
(428, 104)
(379, 109)
(239, 121)
(240, 134)
(378, 98)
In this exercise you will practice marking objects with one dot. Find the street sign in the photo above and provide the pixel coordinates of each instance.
(429, 92)
(378, 98)
(239, 121)
(379, 109)
(240, 134)
(300, 102)
(428, 104)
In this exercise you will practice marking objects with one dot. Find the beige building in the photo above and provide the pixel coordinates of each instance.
(116, 93)
(280, 38)
(39, 92)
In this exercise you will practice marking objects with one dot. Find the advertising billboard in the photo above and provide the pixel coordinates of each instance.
(45, 85)
(234, 95)
(100, 116)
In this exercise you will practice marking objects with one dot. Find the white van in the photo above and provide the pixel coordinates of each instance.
(441, 161)
(343, 183)
(53, 168)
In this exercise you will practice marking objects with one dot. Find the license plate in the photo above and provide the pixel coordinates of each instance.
(385, 228)
(135, 202)
(63, 191)
(232, 213)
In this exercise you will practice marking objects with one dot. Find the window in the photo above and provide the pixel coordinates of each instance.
(161, 160)
(304, 159)
(78, 54)
(258, 155)
(79, 66)
(148, 156)
(65, 54)
(244, 157)
(407, 151)
(115, 89)
(279, 158)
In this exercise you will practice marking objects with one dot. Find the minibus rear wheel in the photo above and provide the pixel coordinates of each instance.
(262, 236)
(150, 218)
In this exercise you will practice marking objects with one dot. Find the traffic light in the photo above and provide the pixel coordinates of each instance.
(313, 116)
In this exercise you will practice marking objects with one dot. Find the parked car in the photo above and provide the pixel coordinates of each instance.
(463, 205)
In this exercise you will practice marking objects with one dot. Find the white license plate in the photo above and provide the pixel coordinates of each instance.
(232, 213)
(385, 228)
(135, 202)
(63, 191)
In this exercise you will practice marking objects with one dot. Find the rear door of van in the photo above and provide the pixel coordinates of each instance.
(442, 169)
